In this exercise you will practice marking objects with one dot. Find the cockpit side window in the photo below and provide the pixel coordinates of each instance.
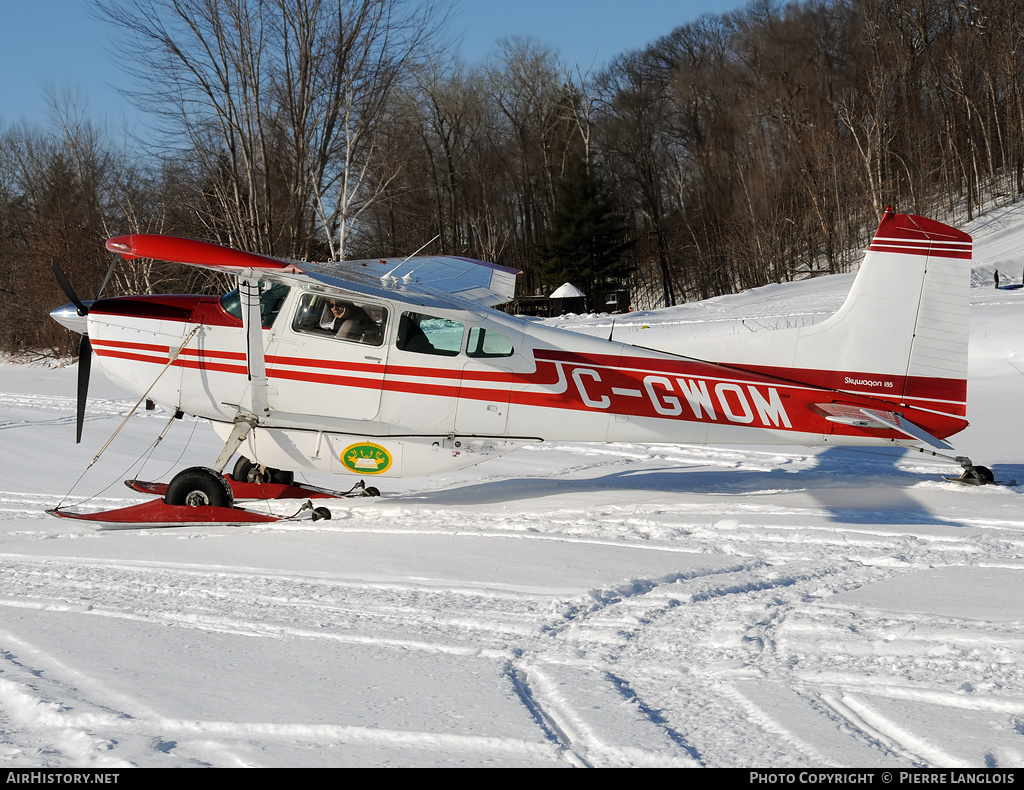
(488, 343)
(428, 334)
(338, 316)
(272, 297)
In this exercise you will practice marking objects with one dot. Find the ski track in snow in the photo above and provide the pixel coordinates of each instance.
(566, 605)
(612, 677)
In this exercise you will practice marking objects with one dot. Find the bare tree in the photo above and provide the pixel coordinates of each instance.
(360, 51)
(636, 118)
(280, 100)
(526, 86)
(449, 111)
(56, 189)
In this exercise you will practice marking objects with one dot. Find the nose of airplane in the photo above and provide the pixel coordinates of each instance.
(68, 315)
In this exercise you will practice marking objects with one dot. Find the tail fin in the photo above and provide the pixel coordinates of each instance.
(901, 335)
(905, 323)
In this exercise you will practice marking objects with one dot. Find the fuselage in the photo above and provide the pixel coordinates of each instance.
(435, 388)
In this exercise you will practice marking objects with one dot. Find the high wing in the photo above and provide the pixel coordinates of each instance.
(428, 281)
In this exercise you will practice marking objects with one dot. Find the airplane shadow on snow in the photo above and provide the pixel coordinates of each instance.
(855, 486)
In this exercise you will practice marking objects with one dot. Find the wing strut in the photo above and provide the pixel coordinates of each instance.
(249, 291)
(256, 365)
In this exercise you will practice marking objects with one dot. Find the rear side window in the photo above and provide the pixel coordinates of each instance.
(428, 334)
(488, 343)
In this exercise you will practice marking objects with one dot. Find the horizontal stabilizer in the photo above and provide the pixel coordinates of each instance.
(876, 419)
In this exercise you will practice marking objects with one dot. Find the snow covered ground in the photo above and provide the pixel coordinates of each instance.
(566, 605)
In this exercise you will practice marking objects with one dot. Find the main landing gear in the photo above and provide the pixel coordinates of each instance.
(199, 486)
(205, 495)
(199, 495)
(246, 471)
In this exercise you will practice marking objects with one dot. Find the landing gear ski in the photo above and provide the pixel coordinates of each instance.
(199, 495)
(242, 489)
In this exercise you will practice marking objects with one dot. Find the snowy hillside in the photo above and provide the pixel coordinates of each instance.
(587, 605)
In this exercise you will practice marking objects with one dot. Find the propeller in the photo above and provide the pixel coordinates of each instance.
(65, 284)
(84, 346)
(84, 371)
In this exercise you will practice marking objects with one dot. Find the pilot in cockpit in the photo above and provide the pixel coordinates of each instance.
(346, 320)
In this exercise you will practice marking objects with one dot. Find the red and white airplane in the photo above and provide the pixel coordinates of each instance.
(401, 367)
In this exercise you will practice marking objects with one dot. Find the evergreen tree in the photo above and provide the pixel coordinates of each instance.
(585, 243)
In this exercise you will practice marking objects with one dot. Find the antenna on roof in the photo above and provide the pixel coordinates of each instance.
(390, 278)
(425, 245)
(407, 277)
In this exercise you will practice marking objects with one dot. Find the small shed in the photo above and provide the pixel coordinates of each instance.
(568, 298)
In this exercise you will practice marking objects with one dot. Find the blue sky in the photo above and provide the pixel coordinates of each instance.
(55, 44)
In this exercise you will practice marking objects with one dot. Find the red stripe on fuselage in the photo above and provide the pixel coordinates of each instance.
(121, 344)
(672, 389)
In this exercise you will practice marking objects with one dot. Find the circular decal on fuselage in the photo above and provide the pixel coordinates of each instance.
(366, 458)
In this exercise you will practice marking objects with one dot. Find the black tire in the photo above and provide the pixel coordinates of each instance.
(240, 472)
(246, 471)
(199, 487)
(978, 476)
(984, 475)
(371, 491)
(281, 477)
(321, 513)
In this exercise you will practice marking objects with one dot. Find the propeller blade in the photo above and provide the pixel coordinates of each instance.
(65, 284)
(84, 369)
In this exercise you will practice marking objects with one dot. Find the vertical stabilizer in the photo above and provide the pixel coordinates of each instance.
(937, 363)
(901, 335)
(902, 331)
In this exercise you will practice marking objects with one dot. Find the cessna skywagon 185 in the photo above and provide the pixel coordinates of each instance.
(402, 368)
